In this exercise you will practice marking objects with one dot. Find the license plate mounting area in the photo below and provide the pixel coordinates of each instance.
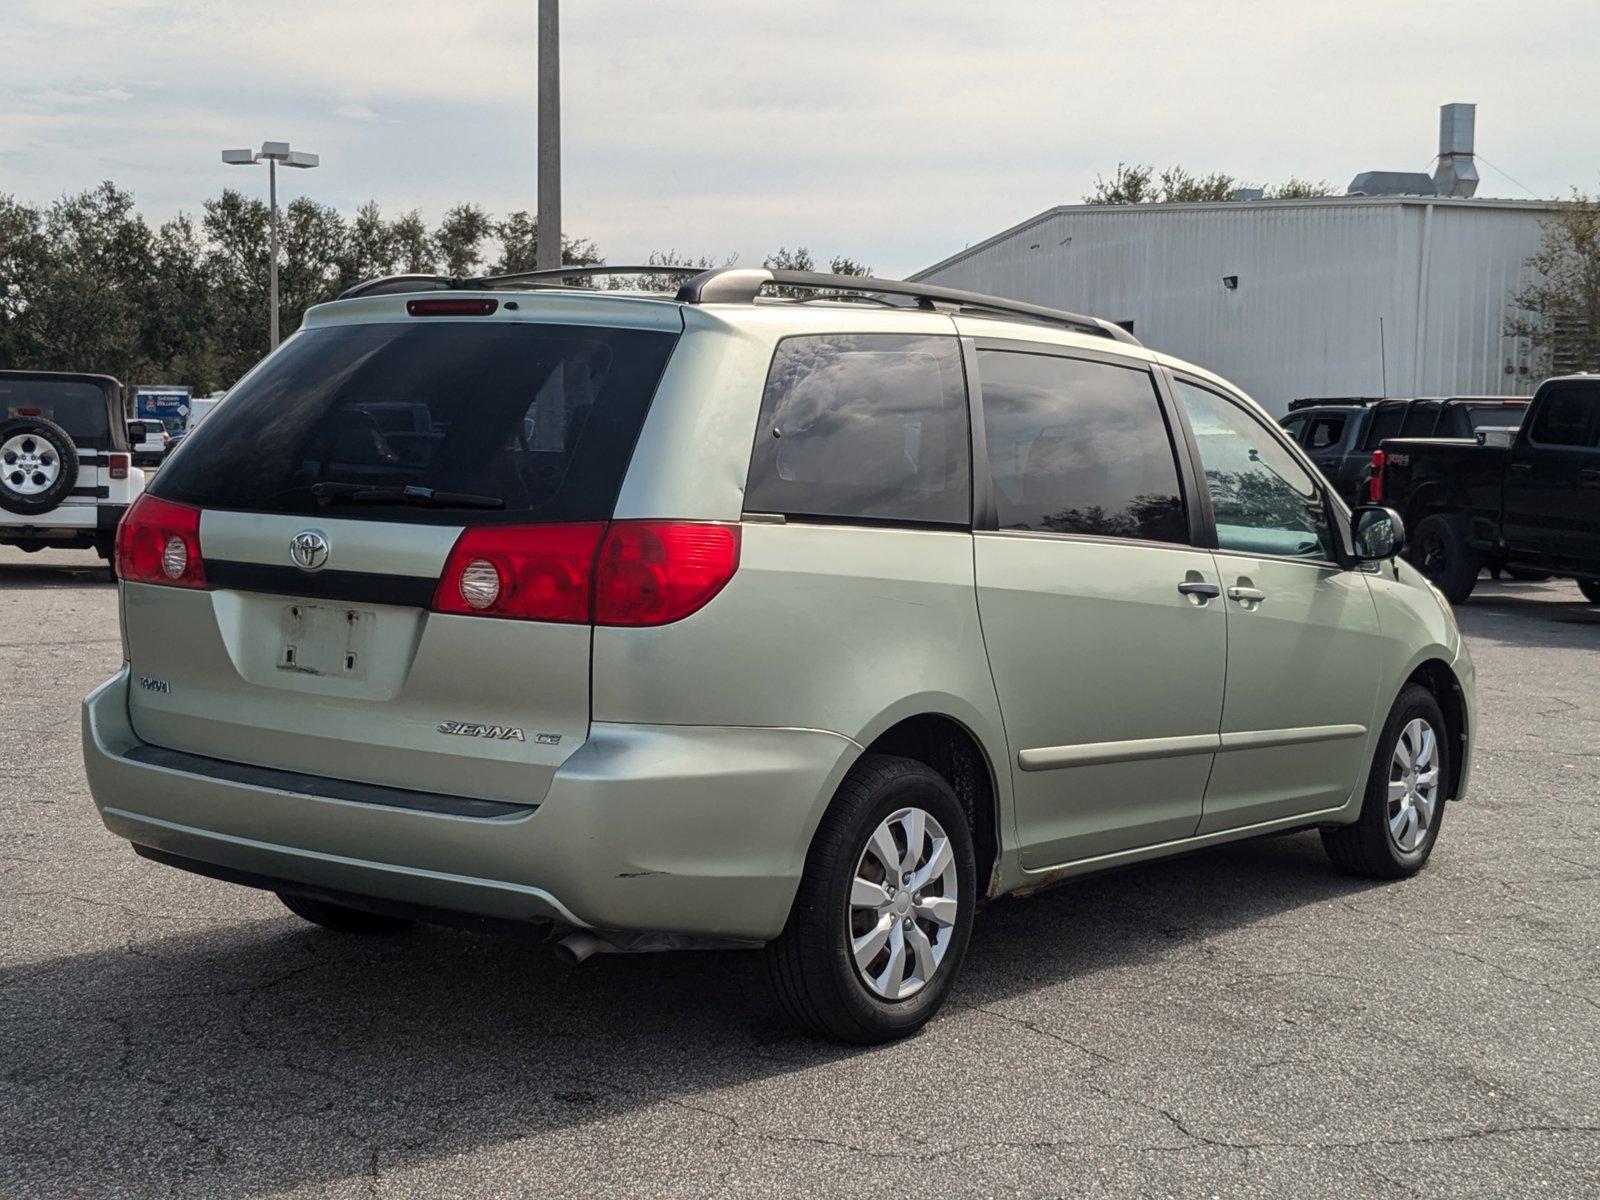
(325, 640)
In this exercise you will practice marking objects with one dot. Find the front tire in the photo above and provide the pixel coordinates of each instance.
(883, 915)
(1590, 589)
(1404, 803)
(340, 917)
(1440, 551)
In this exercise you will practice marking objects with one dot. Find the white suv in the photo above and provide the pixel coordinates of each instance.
(809, 621)
(66, 469)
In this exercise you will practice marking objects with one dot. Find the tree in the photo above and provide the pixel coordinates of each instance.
(664, 281)
(1296, 188)
(85, 285)
(1561, 307)
(798, 259)
(841, 265)
(87, 301)
(518, 236)
(1139, 184)
(460, 238)
(1130, 185)
(1178, 186)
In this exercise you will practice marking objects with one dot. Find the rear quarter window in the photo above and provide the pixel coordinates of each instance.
(869, 427)
(539, 420)
(1324, 433)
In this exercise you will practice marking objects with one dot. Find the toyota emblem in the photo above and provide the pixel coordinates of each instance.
(308, 550)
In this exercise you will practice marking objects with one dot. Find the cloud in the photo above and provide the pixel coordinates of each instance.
(895, 132)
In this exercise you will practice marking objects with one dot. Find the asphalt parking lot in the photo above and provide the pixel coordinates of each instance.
(1241, 1022)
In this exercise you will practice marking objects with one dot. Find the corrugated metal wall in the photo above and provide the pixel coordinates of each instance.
(1314, 278)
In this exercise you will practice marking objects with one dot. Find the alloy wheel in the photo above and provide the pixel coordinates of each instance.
(28, 464)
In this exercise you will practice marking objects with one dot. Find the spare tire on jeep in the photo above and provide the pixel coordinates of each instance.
(38, 465)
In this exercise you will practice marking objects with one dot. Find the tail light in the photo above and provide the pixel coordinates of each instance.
(159, 542)
(625, 573)
(1375, 477)
(524, 572)
(117, 465)
(451, 307)
(657, 572)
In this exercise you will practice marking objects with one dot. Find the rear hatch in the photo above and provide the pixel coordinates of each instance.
(88, 409)
(332, 487)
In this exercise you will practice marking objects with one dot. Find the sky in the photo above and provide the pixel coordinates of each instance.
(891, 131)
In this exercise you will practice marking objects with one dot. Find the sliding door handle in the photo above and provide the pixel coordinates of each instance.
(1192, 587)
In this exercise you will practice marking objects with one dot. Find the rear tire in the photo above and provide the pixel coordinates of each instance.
(1590, 589)
(1440, 551)
(1384, 843)
(340, 917)
(834, 969)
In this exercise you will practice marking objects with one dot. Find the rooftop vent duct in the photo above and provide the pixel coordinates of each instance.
(1391, 183)
(1456, 175)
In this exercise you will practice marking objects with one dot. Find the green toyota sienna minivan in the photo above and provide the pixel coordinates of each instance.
(787, 611)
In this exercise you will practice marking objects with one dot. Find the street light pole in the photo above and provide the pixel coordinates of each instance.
(272, 242)
(272, 153)
(547, 254)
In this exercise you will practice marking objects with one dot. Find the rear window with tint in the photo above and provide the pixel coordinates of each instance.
(1568, 417)
(78, 407)
(1420, 420)
(1386, 423)
(536, 421)
(866, 427)
(1325, 432)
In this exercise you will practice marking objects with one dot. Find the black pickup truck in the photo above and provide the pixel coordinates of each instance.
(1340, 435)
(1532, 501)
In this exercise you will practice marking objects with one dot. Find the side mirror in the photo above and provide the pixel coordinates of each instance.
(1378, 534)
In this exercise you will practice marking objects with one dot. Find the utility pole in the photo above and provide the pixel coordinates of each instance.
(548, 254)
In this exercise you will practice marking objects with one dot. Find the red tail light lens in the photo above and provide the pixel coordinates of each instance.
(1375, 478)
(117, 465)
(159, 542)
(522, 572)
(627, 573)
(656, 572)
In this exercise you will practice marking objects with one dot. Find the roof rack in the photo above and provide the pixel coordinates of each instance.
(553, 278)
(1342, 401)
(741, 285)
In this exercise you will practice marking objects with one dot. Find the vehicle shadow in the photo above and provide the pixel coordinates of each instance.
(261, 1056)
(1552, 615)
(53, 571)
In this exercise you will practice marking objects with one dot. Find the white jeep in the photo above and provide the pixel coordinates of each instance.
(66, 469)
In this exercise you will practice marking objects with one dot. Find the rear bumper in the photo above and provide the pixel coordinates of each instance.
(66, 525)
(680, 829)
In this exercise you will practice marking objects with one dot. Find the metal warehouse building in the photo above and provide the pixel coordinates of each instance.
(1357, 295)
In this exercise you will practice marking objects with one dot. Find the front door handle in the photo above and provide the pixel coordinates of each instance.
(1589, 477)
(1193, 587)
(1520, 467)
(1246, 595)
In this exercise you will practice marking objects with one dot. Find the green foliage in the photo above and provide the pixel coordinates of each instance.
(1301, 189)
(1561, 308)
(1139, 184)
(87, 285)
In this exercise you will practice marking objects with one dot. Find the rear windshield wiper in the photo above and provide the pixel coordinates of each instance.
(422, 497)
